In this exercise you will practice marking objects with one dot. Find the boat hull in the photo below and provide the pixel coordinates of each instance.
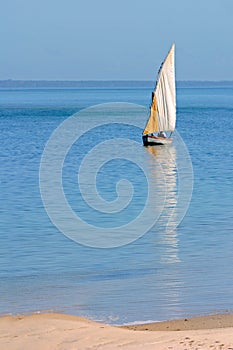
(155, 140)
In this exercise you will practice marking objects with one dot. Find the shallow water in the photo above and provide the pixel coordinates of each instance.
(169, 272)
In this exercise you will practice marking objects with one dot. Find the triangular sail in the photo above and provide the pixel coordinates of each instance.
(163, 106)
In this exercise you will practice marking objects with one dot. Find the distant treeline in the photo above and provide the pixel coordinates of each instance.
(103, 84)
(72, 84)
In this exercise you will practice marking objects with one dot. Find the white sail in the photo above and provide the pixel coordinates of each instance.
(163, 107)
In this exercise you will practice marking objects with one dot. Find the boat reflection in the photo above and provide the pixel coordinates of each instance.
(166, 181)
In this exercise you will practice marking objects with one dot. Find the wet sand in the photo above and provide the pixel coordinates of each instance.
(65, 332)
(195, 323)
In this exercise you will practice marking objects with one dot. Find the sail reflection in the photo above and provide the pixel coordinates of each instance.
(166, 181)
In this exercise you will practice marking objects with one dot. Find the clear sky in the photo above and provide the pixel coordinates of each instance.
(115, 40)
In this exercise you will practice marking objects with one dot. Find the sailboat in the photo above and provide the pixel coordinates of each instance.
(162, 116)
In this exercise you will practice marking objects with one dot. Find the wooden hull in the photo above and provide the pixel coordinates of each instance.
(154, 140)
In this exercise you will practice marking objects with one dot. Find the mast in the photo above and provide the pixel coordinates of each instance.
(163, 106)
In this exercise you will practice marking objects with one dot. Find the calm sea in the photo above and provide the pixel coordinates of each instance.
(164, 274)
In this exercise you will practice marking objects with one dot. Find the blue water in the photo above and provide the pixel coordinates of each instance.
(159, 276)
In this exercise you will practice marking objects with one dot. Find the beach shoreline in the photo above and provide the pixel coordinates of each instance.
(193, 323)
(61, 331)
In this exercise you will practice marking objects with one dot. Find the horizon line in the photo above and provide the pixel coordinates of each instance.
(108, 80)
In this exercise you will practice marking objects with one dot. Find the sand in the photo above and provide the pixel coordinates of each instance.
(64, 332)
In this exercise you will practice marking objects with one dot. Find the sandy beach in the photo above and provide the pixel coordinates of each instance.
(64, 332)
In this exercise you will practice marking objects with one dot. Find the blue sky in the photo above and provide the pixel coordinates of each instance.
(111, 40)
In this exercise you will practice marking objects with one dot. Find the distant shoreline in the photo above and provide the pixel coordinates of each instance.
(10, 84)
